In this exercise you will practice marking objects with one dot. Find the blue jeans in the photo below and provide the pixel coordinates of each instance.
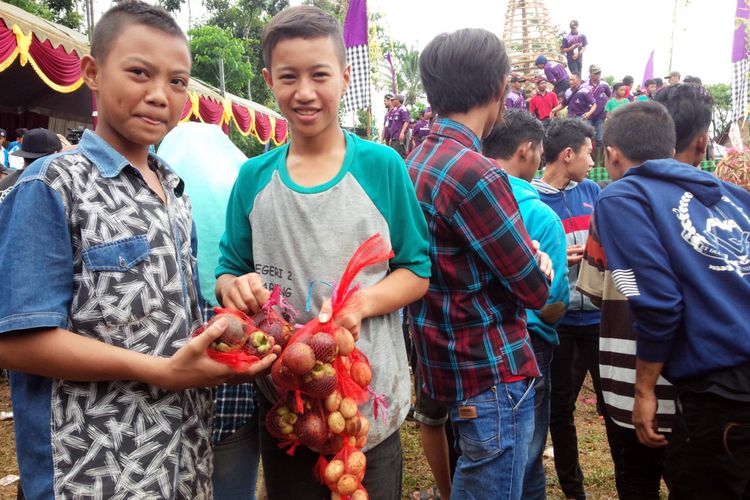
(236, 463)
(495, 442)
(598, 125)
(534, 480)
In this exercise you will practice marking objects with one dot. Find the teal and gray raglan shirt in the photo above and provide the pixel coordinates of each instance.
(301, 238)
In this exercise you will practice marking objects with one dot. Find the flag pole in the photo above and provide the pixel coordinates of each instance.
(369, 122)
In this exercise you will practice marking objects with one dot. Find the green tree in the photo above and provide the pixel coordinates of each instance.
(64, 12)
(208, 45)
(245, 20)
(722, 96)
(610, 80)
(333, 7)
(407, 74)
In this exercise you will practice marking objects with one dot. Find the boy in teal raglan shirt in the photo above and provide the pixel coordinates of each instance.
(295, 217)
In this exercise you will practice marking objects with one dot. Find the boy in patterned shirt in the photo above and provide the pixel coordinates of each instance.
(96, 322)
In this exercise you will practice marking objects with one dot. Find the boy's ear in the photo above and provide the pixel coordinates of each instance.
(347, 78)
(701, 143)
(90, 72)
(267, 77)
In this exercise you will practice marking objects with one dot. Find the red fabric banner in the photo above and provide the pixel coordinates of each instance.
(210, 110)
(7, 42)
(263, 127)
(243, 118)
(186, 110)
(280, 132)
(62, 68)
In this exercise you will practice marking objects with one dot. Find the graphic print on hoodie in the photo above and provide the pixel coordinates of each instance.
(678, 242)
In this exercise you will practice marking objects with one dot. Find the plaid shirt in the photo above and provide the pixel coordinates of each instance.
(470, 327)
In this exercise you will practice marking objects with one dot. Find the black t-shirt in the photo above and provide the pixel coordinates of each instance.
(730, 383)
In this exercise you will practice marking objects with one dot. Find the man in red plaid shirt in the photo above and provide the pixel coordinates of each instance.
(474, 351)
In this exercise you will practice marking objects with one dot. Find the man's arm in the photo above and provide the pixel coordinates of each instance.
(61, 354)
(399, 289)
(402, 134)
(556, 109)
(646, 404)
(489, 221)
(590, 112)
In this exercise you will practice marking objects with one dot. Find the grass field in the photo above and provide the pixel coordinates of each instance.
(595, 459)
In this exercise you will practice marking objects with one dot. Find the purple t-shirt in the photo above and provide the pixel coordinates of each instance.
(399, 116)
(601, 93)
(555, 72)
(387, 125)
(421, 130)
(515, 100)
(569, 40)
(578, 101)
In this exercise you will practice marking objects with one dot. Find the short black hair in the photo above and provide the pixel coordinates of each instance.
(649, 82)
(463, 70)
(518, 127)
(128, 13)
(20, 132)
(642, 130)
(658, 81)
(695, 80)
(690, 107)
(617, 85)
(566, 133)
(576, 74)
(628, 80)
(301, 21)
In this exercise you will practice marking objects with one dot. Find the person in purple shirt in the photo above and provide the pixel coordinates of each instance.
(573, 46)
(514, 98)
(555, 73)
(399, 124)
(385, 135)
(601, 92)
(578, 99)
(421, 128)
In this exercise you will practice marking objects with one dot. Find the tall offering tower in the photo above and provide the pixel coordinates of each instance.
(528, 33)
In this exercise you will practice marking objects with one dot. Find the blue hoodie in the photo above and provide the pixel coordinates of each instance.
(678, 243)
(544, 226)
(574, 205)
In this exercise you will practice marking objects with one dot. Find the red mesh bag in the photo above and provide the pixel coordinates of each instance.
(241, 344)
(272, 318)
(317, 345)
(293, 428)
(344, 473)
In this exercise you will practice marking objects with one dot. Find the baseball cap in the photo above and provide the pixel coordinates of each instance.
(540, 79)
(38, 142)
(540, 60)
(595, 68)
(2, 132)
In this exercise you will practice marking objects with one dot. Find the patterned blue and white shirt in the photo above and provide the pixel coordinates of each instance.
(106, 259)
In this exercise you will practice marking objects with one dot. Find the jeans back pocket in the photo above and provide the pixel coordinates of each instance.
(478, 437)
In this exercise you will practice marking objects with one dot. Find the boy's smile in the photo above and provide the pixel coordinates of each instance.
(141, 87)
(308, 81)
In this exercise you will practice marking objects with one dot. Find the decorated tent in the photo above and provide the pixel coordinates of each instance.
(40, 78)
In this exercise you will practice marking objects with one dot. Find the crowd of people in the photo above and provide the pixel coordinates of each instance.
(513, 287)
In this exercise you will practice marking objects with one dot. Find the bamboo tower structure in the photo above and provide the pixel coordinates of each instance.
(528, 33)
